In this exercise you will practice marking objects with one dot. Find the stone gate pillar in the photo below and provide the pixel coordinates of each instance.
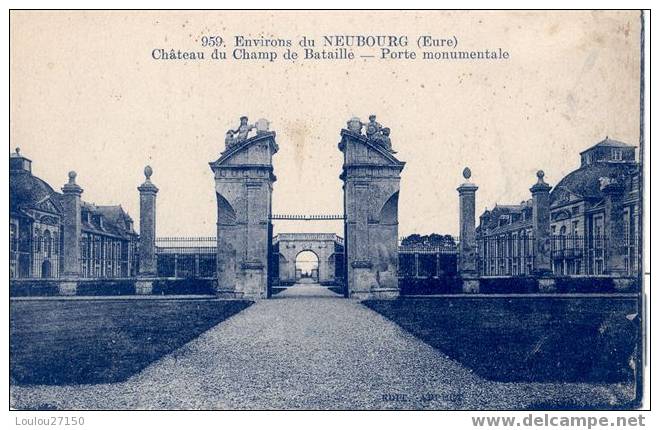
(71, 235)
(467, 255)
(615, 234)
(541, 230)
(147, 243)
(371, 176)
(243, 186)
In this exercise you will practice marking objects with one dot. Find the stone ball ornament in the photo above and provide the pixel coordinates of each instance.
(467, 173)
(72, 176)
(148, 171)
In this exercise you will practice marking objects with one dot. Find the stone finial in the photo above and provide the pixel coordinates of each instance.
(540, 174)
(18, 151)
(148, 186)
(467, 186)
(71, 187)
(541, 185)
(262, 125)
(354, 125)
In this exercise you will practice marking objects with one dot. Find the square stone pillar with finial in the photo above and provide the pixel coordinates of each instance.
(71, 234)
(541, 230)
(467, 255)
(617, 242)
(147, 244)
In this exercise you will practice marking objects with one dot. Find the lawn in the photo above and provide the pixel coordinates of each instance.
(59, 342)
(527, 339)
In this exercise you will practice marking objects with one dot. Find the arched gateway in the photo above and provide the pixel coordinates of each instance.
(328, 248)
(244, 184)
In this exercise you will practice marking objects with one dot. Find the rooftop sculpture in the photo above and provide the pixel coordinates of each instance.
(240, 135)
(375, 132)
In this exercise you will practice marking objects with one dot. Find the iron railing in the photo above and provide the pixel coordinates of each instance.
(505, 255)
(186, 257)
(423, 261)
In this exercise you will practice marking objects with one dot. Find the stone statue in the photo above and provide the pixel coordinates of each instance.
(373, 128)
(384, 138)
(229, 139)
(234, 137)
(375, 132)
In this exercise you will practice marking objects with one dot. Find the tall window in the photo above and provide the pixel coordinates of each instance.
(13, 238)
(37, 240)
(48, 243)
(598, 245)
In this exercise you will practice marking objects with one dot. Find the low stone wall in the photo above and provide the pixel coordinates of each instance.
(29, 288)
(107, 287)
(427, 286)
(512, 285)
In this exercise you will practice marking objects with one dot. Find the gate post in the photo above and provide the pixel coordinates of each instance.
(71, 236)
(243, 186)
(467, 254)
(147, 269)
(541, 228)
(371, 175)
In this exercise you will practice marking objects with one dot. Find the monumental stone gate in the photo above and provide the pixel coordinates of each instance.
(243, 187)
(371, 176)
(244, 184)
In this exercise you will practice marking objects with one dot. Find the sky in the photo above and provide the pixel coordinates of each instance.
(87, 96)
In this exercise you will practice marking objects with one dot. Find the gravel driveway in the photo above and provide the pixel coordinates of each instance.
(308, 348)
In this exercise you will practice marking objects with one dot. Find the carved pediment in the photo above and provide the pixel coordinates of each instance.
(360, 151)
(47, 206)
(561, 215)
(257, 150)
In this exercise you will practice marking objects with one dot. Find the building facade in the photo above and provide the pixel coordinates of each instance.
(594, 215)
(108, 241)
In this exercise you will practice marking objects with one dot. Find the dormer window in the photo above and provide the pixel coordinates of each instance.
(98, 220)
(617, 154)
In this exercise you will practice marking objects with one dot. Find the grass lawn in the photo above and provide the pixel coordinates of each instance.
(95, 341)
(527, 339)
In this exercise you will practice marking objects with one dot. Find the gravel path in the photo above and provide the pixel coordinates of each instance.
(308, 348)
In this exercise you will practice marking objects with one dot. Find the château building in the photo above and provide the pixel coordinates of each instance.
(36, 224)
(594, 215)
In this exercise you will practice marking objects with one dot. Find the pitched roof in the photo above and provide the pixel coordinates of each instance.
(607, 142)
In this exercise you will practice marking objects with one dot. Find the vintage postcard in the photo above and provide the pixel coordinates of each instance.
(327, 210)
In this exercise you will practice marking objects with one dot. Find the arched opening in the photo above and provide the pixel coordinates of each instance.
(389, 213)
(307, 267)
(226, 212)
(45, 269)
